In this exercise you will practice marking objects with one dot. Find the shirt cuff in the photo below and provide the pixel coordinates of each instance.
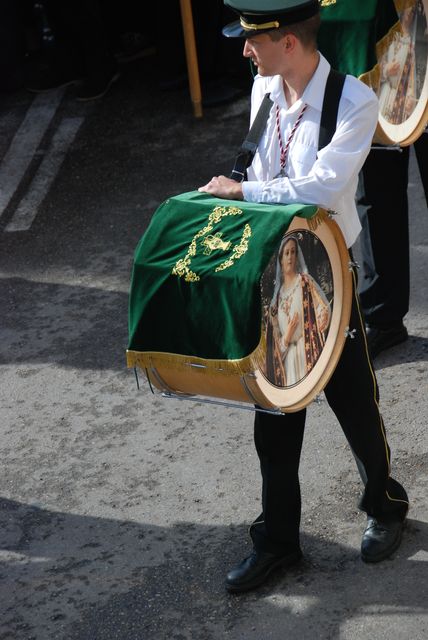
(252, 191)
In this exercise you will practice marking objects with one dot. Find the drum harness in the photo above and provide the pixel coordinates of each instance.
(330, 107)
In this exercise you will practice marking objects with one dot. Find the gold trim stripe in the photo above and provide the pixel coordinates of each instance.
(256, 27)
(242, 366)
(373, 375)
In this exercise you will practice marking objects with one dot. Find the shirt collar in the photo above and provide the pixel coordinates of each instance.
(313, 94)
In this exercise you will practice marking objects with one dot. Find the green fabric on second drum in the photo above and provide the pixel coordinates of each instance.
(350, 30)
(218, 314)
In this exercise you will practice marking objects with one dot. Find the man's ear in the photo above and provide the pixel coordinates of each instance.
(289, 42)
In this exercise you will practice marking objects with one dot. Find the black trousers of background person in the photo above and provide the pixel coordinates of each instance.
(82, 42)
(385, 283)
(352, 393)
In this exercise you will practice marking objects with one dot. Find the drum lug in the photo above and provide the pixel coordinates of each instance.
(196, 365)
(350, 333)
(353, 265)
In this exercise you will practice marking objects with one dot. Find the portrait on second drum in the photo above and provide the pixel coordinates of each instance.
(297, 292)
(403, 64)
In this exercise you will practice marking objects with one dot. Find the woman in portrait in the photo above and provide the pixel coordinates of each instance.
(398, 87)
(297, 318)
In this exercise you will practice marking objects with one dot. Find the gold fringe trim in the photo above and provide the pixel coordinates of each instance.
(149, 359)
(372, 77)
(402, 5)
(317, 219)
(384, 43)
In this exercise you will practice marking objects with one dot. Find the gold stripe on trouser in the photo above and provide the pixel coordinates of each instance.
(382, 427)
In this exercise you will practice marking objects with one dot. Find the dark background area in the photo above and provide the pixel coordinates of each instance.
(68, 33)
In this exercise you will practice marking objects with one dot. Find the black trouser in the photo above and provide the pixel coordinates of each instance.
(352, 393)
(385, 285)
(82, 41)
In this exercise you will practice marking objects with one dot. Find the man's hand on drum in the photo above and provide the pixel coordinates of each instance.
(223, 187)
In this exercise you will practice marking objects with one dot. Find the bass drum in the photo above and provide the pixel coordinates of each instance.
(306, 294)
(400, 77)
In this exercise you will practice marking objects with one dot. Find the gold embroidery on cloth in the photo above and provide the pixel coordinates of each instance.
(327, 3)
(238, 250)
(211, 243)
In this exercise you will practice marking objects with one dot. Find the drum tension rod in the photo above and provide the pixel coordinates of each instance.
(150, 382)
(222, 403)
(387, 147)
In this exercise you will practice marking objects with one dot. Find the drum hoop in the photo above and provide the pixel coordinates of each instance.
(303, 393)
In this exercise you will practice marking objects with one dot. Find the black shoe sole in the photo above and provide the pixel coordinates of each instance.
(288, 561)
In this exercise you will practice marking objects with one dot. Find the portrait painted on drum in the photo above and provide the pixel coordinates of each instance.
(403, 65)
(297, 293)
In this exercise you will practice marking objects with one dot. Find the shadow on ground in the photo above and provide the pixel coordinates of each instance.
(84, 577)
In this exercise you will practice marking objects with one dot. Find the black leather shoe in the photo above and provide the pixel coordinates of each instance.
(380, 539)
(255, 569)
(380, 339)
(97, 85)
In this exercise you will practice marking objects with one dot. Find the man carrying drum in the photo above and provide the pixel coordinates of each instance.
(280, 39)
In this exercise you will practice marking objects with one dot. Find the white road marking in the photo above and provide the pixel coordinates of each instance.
(25, 143)
(45, 175)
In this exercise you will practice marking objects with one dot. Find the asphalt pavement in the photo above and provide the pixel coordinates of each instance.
(121, 511)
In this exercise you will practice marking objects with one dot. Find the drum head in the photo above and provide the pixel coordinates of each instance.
(306, 298)
(400, 77)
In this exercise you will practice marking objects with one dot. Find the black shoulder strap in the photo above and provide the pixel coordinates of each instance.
(330, 107)
(249, 146)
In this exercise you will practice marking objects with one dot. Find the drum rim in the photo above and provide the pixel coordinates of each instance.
(321, 373)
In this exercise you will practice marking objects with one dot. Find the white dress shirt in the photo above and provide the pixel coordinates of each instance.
(328, 178)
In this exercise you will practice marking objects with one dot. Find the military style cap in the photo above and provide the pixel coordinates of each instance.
(259, 16)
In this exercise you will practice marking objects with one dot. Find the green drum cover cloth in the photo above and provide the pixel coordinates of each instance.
(350, 30)
(195, 286)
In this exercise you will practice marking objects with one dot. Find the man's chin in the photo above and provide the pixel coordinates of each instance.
(261, 71)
